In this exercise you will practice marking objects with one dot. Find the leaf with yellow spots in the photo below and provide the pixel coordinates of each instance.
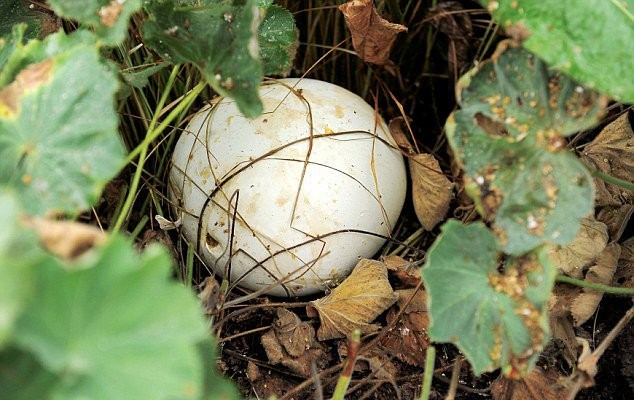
(494, 309)
(58, 127)
(509, 137)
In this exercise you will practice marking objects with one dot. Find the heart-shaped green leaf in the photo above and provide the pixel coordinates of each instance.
(59, 143)
(493, 309)
(589, 40)
(218, 37)
(115, 316)
(509, 138)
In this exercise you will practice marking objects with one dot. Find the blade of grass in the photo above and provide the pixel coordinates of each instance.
(127, 205)
(346, 375)
(429, 372)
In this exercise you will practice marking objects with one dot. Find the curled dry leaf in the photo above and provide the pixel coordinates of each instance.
(66, 239)
(590, 241)
(360, 298)
(408, 340)
(404, 270)
(584, 305)
(612, 152)
(165, 224)
(537, 385)
(399, 135)
(431, 190)
(210, 295)
(374, 359)
(291, 342)
(372, 36)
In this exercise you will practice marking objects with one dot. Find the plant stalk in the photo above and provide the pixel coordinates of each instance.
(596, 286)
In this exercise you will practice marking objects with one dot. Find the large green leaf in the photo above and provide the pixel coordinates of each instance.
(18, 254)
(590, 40)
(221, 39)
(497, 319)
(218, 37)
(58, 128)
(107, 18)
(509, 138)
(114, 326)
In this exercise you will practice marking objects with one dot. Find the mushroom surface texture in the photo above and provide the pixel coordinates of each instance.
(291, 200)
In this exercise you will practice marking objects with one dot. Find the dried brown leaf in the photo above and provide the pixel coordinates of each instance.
(372, 36)
(537, 385)
(398, 133)
(408, 340)
(590, 241)
(291, 342)
(373, 359)
(612, 152)
(624, 275)
(602, 272)
(431, 190)
(616, 219)
(403, 270)
(360, 298)
(66, 239)
(210, 296)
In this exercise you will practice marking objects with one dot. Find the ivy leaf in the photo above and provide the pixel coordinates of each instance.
(509, 139)
(591, 41)
(278, 41)
(220, 38)
(59, 143)
(115, 317)
(107, 18)
(497, 319)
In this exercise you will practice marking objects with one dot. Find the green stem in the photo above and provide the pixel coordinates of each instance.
(613, 180)
(127, 205)
(346, 375)
(152, 135)
(596, 286)
(429, 372)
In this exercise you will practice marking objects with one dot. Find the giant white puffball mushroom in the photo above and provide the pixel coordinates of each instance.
(291, 200)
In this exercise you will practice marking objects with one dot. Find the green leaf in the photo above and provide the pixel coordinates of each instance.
(140, 78)
(508, 136)
(218, 37)
(278, 41)
(496, 319)
(13, 12)
(22, 377)
(18, 254)
(107, 18)
(114, 326)
(589, 40)
(58, 127)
